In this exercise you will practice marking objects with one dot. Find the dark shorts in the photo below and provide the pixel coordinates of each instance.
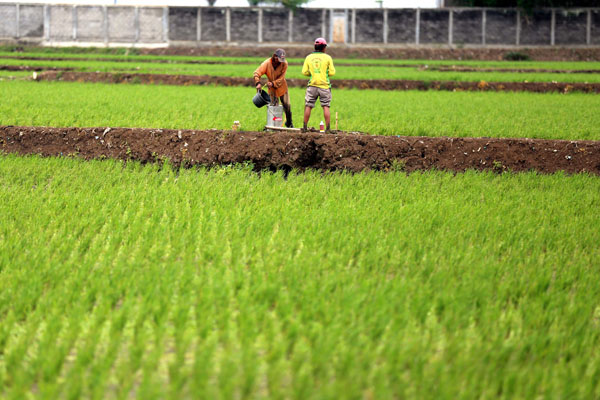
(312, 92)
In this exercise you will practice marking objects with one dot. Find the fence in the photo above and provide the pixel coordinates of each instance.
(129, 25)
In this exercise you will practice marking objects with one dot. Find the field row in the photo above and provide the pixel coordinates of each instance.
(256, 55)
(488, 114)
(419, 72)
(138, 281)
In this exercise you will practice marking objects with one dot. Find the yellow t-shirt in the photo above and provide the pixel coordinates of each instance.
(319, 66)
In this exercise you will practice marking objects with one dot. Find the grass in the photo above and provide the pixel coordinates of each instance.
(131, 56)
(15, 74)
(122, 280)
(551, 116)
(294, 71)
(129, 281)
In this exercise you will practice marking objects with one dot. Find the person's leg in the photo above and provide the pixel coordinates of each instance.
(325, 96)
(327, 116)
(309, 103)
(307, 111)
(285, 102)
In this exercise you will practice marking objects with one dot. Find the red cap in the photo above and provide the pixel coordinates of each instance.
(320, 41)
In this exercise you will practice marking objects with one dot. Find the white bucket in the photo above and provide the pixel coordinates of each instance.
(275, 116)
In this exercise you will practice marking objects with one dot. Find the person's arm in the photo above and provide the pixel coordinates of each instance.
(331, 67)
(305, 69)
(278, 82)
(260, 71)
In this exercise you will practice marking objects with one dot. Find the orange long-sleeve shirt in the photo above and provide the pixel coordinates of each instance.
(275, 75)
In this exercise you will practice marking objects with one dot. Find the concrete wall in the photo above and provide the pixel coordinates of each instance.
(501, 26)
(595, 27)
(66, 24)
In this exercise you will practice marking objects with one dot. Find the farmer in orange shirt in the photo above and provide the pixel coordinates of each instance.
(275, 69)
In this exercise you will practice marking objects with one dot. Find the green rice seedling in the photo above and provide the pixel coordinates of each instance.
(549, 116)
(224, 283)
(122, 57)
(355, 71)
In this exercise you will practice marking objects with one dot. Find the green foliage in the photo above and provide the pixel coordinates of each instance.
(516, 56)
(120, 279)
(549, 116)
(412, 70)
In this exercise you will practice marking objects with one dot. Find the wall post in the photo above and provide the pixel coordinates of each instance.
(198, 24)
(46, 21)
(385, 26)
(552, 27)
(74, 17)
(323, 16)
(18, 32)
(417, 26)
(290, 25)
(228, 24)
(136, 23)
(353, 25)
(450, 26)
(518, 40)
(165, 21)
(483, 23)
(588, 29)
(105, 24)
(260, 17)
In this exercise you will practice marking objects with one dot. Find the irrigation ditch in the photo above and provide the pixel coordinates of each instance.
(346, 151)
(364, 84)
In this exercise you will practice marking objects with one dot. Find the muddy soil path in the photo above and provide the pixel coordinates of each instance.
(380, 84)
(421, 67)
(284, 150)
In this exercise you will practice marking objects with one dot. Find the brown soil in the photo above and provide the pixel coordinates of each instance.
(388, 52)
(381, 84)
(282, 150)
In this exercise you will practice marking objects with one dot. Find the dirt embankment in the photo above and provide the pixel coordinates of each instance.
(388, 52)
(283, 150)
(381, 84)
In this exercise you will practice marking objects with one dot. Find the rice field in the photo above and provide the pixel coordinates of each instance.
(353, 71)
(413, 113)
(122, 280)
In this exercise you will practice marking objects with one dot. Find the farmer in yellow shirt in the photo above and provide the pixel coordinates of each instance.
(319, 66)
